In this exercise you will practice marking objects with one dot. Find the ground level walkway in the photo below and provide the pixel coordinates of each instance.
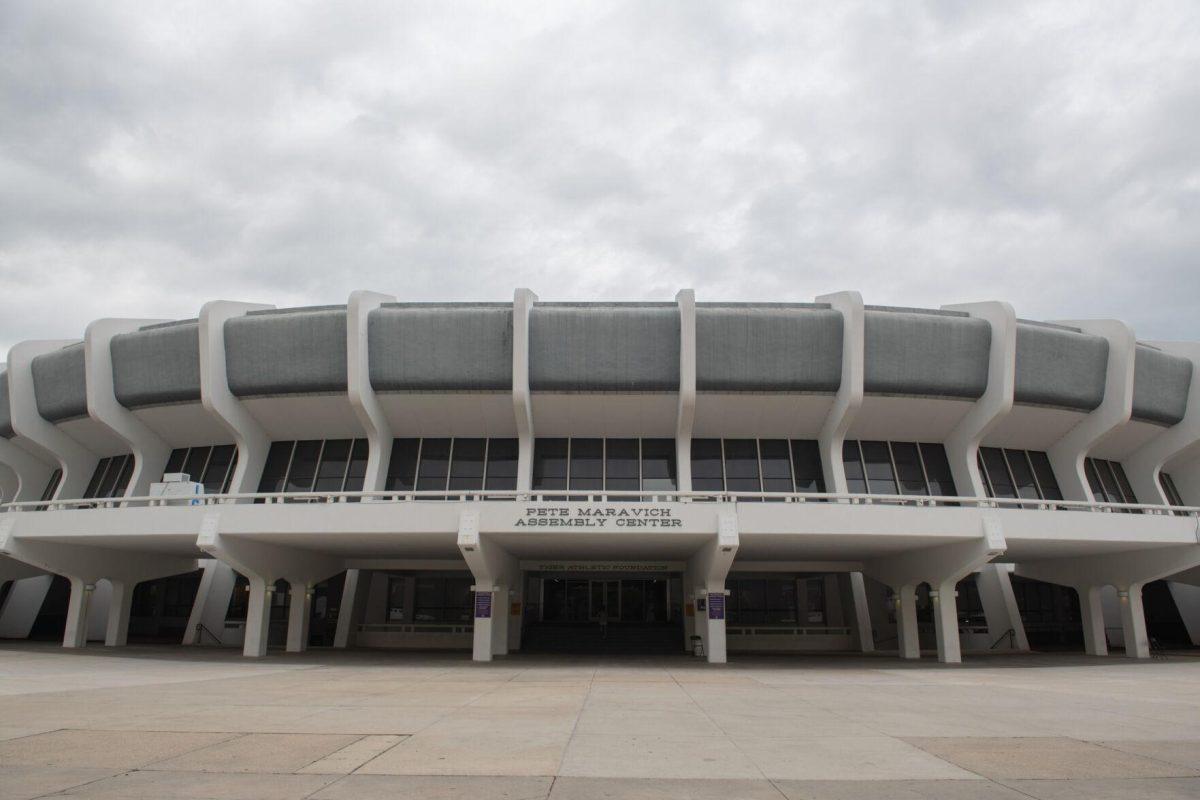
(168, 722)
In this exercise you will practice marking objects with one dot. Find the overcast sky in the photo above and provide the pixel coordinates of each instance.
(154, 156)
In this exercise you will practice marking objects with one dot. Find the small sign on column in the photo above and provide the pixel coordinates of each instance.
(716, 605)
(483, 605)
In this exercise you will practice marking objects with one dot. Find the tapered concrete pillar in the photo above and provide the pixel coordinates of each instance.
(258, 618)
(75, 633)
(299, 614)
(491, 623)
(1000, 605)
(116, 632)
(945, 621)
(1095, 643)
(862, 613)
(1133, 622)
(907, 633)
(355, 591)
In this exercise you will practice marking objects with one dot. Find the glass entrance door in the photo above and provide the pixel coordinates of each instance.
(629, 600)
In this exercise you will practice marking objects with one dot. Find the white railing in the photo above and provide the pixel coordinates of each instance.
(562, 495)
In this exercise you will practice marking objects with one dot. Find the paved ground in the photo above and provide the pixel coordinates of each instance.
(169, 722)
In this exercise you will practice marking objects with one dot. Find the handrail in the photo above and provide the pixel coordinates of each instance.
(1011, 635)
(563, 495)
(200, 628)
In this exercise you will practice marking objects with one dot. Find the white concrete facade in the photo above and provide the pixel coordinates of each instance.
(712, 537)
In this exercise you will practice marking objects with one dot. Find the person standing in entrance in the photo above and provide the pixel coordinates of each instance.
(602, 618)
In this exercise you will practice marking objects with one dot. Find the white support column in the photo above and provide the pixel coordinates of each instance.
(1067, 454)
(1091, 609)
(909, 641)
(359, 389)
(263, 564)
(40, 436)
(150, 452)
(494, 571)
(941, 566)
(22, 606)
(1127, 571)
(523, 302)
(76, 630)
(1179, 443)
(945, 619)
(299, 615)
(849, 397)
(211, 604)
(258, 617)
(997, 400)
(862, 613)
(1133, 621)
(116, 631)
(85, 566)
(1000, 604)
(709, 567)
(355, 591)
(686, 415)
(252, 442)
(31, 472)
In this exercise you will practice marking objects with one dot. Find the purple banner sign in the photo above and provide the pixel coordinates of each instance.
(483, 605)
(716, 605)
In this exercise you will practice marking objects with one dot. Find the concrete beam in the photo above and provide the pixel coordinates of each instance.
(849, 397)
(359, 389)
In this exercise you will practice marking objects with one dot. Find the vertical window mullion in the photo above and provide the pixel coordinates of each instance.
(603, 466)
(724, 477)
(792, 472)
(287, 473)
(924, 471)
(487, 444)
(417, 467)
(639, 441)
(449, 465)
(1012, 479)
(1037, 483)
(758, 457)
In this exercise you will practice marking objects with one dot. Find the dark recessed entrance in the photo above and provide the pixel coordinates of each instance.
(604, 613)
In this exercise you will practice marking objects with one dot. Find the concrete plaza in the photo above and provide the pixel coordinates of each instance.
(168, 722)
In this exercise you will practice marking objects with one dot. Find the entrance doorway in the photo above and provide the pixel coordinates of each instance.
(627, 613)
(628, 600)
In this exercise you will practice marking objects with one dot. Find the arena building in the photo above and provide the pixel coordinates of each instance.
(663, 477)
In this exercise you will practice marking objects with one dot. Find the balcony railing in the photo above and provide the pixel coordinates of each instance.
(561, 495)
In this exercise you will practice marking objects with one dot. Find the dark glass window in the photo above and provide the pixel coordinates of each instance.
(1107, 479)
(275, 471)
(587, 464)
(856, 478)
(1022, 474)
(776, 466)
(550, 464)
(176, 460)
(1093, 477)
(502, 457)
(356, 470)
(757, 601)
(123, 477)
(983, 474)
(93, 487)
(622, 465)
(741, 466)
(1123, 482)
(908, 468)
(806, 466)
(218, 472)
(331, 474)
(1164, 480)
(997, 471)
(1047, 483)
(658, 465)
(435, 465)
(304, 466)
(707, 472)
(937, 470)
(880, 476)
(466, 467)
(56, 479)
(444, 600)
(197, 458)
(402, 467)
(111, 476)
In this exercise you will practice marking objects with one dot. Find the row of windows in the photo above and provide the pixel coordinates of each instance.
(1168, 486)
(779, 601)
(212, 466)
(605, 464)
(897, 468)
(756, 465)
(1108, 481)
(110, 478)
(435, 599)
(1015, 474)
(459, 464)
(315, 465)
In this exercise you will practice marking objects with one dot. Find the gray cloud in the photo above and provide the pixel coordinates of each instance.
(154, 157)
